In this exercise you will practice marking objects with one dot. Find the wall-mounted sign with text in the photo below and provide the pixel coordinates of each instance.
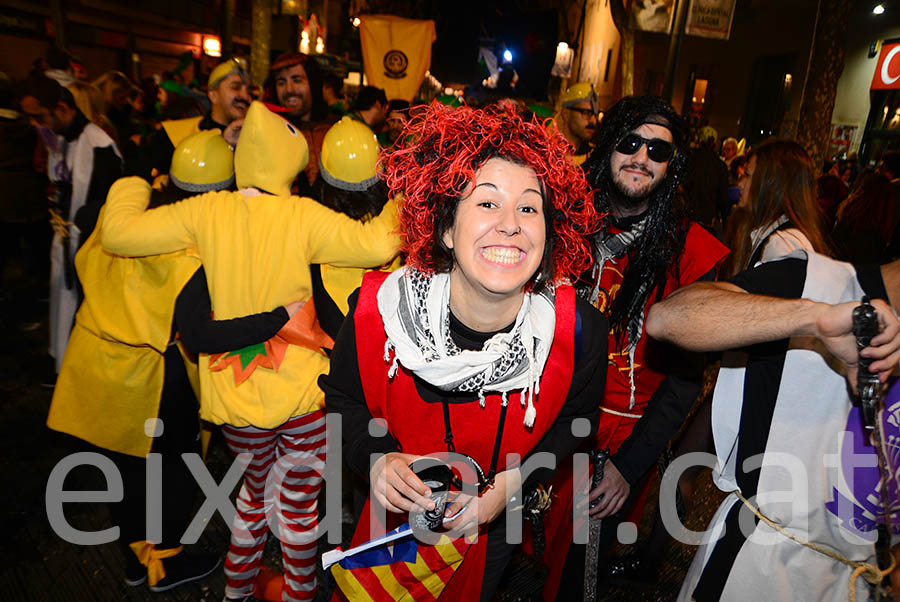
(710, 18)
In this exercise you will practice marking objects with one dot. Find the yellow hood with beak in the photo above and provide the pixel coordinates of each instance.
(270, 152)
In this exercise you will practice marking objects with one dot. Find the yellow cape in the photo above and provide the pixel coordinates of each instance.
(112, 374)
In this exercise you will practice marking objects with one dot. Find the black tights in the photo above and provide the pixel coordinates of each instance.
(181, 434)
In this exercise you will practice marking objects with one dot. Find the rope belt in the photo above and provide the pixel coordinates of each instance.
(60, 226)
(622, 414)
(870, 572)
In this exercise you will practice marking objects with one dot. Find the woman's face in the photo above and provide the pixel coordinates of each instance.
(499, 233)
(744, 183)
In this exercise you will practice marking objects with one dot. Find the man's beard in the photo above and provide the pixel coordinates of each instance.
(630, 197)
(299, 110)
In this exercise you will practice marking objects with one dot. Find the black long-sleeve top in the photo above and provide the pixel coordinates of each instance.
(344, 392)
(201, 334)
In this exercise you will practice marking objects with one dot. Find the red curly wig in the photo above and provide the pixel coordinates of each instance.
(443, 149)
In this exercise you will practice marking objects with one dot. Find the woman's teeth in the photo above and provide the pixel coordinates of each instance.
(508, 255)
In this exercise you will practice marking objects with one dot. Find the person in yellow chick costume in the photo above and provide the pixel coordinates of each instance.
(257, 245)
(123, 352)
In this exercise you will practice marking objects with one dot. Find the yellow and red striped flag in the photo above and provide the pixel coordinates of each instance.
(406, 571)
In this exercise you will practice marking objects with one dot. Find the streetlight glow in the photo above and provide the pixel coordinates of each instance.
(879, 9)
(212, 47)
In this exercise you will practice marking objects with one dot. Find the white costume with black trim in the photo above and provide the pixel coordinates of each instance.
(803, 483)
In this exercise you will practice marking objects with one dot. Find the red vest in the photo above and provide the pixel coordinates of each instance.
(418, 426)
(702, 252)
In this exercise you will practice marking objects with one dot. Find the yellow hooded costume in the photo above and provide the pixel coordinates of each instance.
(111, 381)
(257, 245)
(115, 353)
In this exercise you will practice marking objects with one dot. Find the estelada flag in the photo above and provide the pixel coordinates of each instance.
(406, 570)
(396, 53)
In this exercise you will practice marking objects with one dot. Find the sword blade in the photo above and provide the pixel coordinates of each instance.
(591, 556)
(592, 552)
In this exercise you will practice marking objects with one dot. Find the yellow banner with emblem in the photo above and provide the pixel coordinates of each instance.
(396, 53)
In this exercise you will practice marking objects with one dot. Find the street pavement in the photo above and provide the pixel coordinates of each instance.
(36, 565)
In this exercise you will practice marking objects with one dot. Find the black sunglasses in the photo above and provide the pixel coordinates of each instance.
(658, 150)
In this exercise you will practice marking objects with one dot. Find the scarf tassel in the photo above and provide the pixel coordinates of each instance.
(530, 413)
(395, 363)
(533, 388)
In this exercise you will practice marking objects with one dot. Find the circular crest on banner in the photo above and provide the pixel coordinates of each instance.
(395, 64)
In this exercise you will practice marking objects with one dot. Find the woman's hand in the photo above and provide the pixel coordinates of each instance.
(486, 507)
(396, 487)
(292, 308)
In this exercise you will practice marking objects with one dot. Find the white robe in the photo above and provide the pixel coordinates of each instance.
(802, 471)
(79, 158)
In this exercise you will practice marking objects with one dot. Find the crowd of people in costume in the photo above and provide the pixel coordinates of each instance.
(475, 289)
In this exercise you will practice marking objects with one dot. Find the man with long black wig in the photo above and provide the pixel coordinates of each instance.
(646, 249)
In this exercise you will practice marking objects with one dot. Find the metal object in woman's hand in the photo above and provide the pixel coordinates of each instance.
(438, 477)
(865, 327)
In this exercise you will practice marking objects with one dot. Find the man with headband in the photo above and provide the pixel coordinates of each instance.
(229, 99)
(646, 249)
(295, 82)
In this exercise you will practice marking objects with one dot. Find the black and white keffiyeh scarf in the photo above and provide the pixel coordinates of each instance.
(608, 248)
(415, 309)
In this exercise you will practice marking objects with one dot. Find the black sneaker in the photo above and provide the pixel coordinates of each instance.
(185, 568)
(135, 572)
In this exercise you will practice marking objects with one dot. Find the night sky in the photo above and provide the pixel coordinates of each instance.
(531, 36)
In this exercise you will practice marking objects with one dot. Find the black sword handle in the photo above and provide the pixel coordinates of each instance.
(865, 327)
(598, 459)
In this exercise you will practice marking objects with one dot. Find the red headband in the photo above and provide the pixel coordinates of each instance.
(288, 59)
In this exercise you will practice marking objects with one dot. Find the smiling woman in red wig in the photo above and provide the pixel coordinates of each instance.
(478, 346)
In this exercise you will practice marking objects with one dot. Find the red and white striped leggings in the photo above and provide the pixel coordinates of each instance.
(282, 481)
